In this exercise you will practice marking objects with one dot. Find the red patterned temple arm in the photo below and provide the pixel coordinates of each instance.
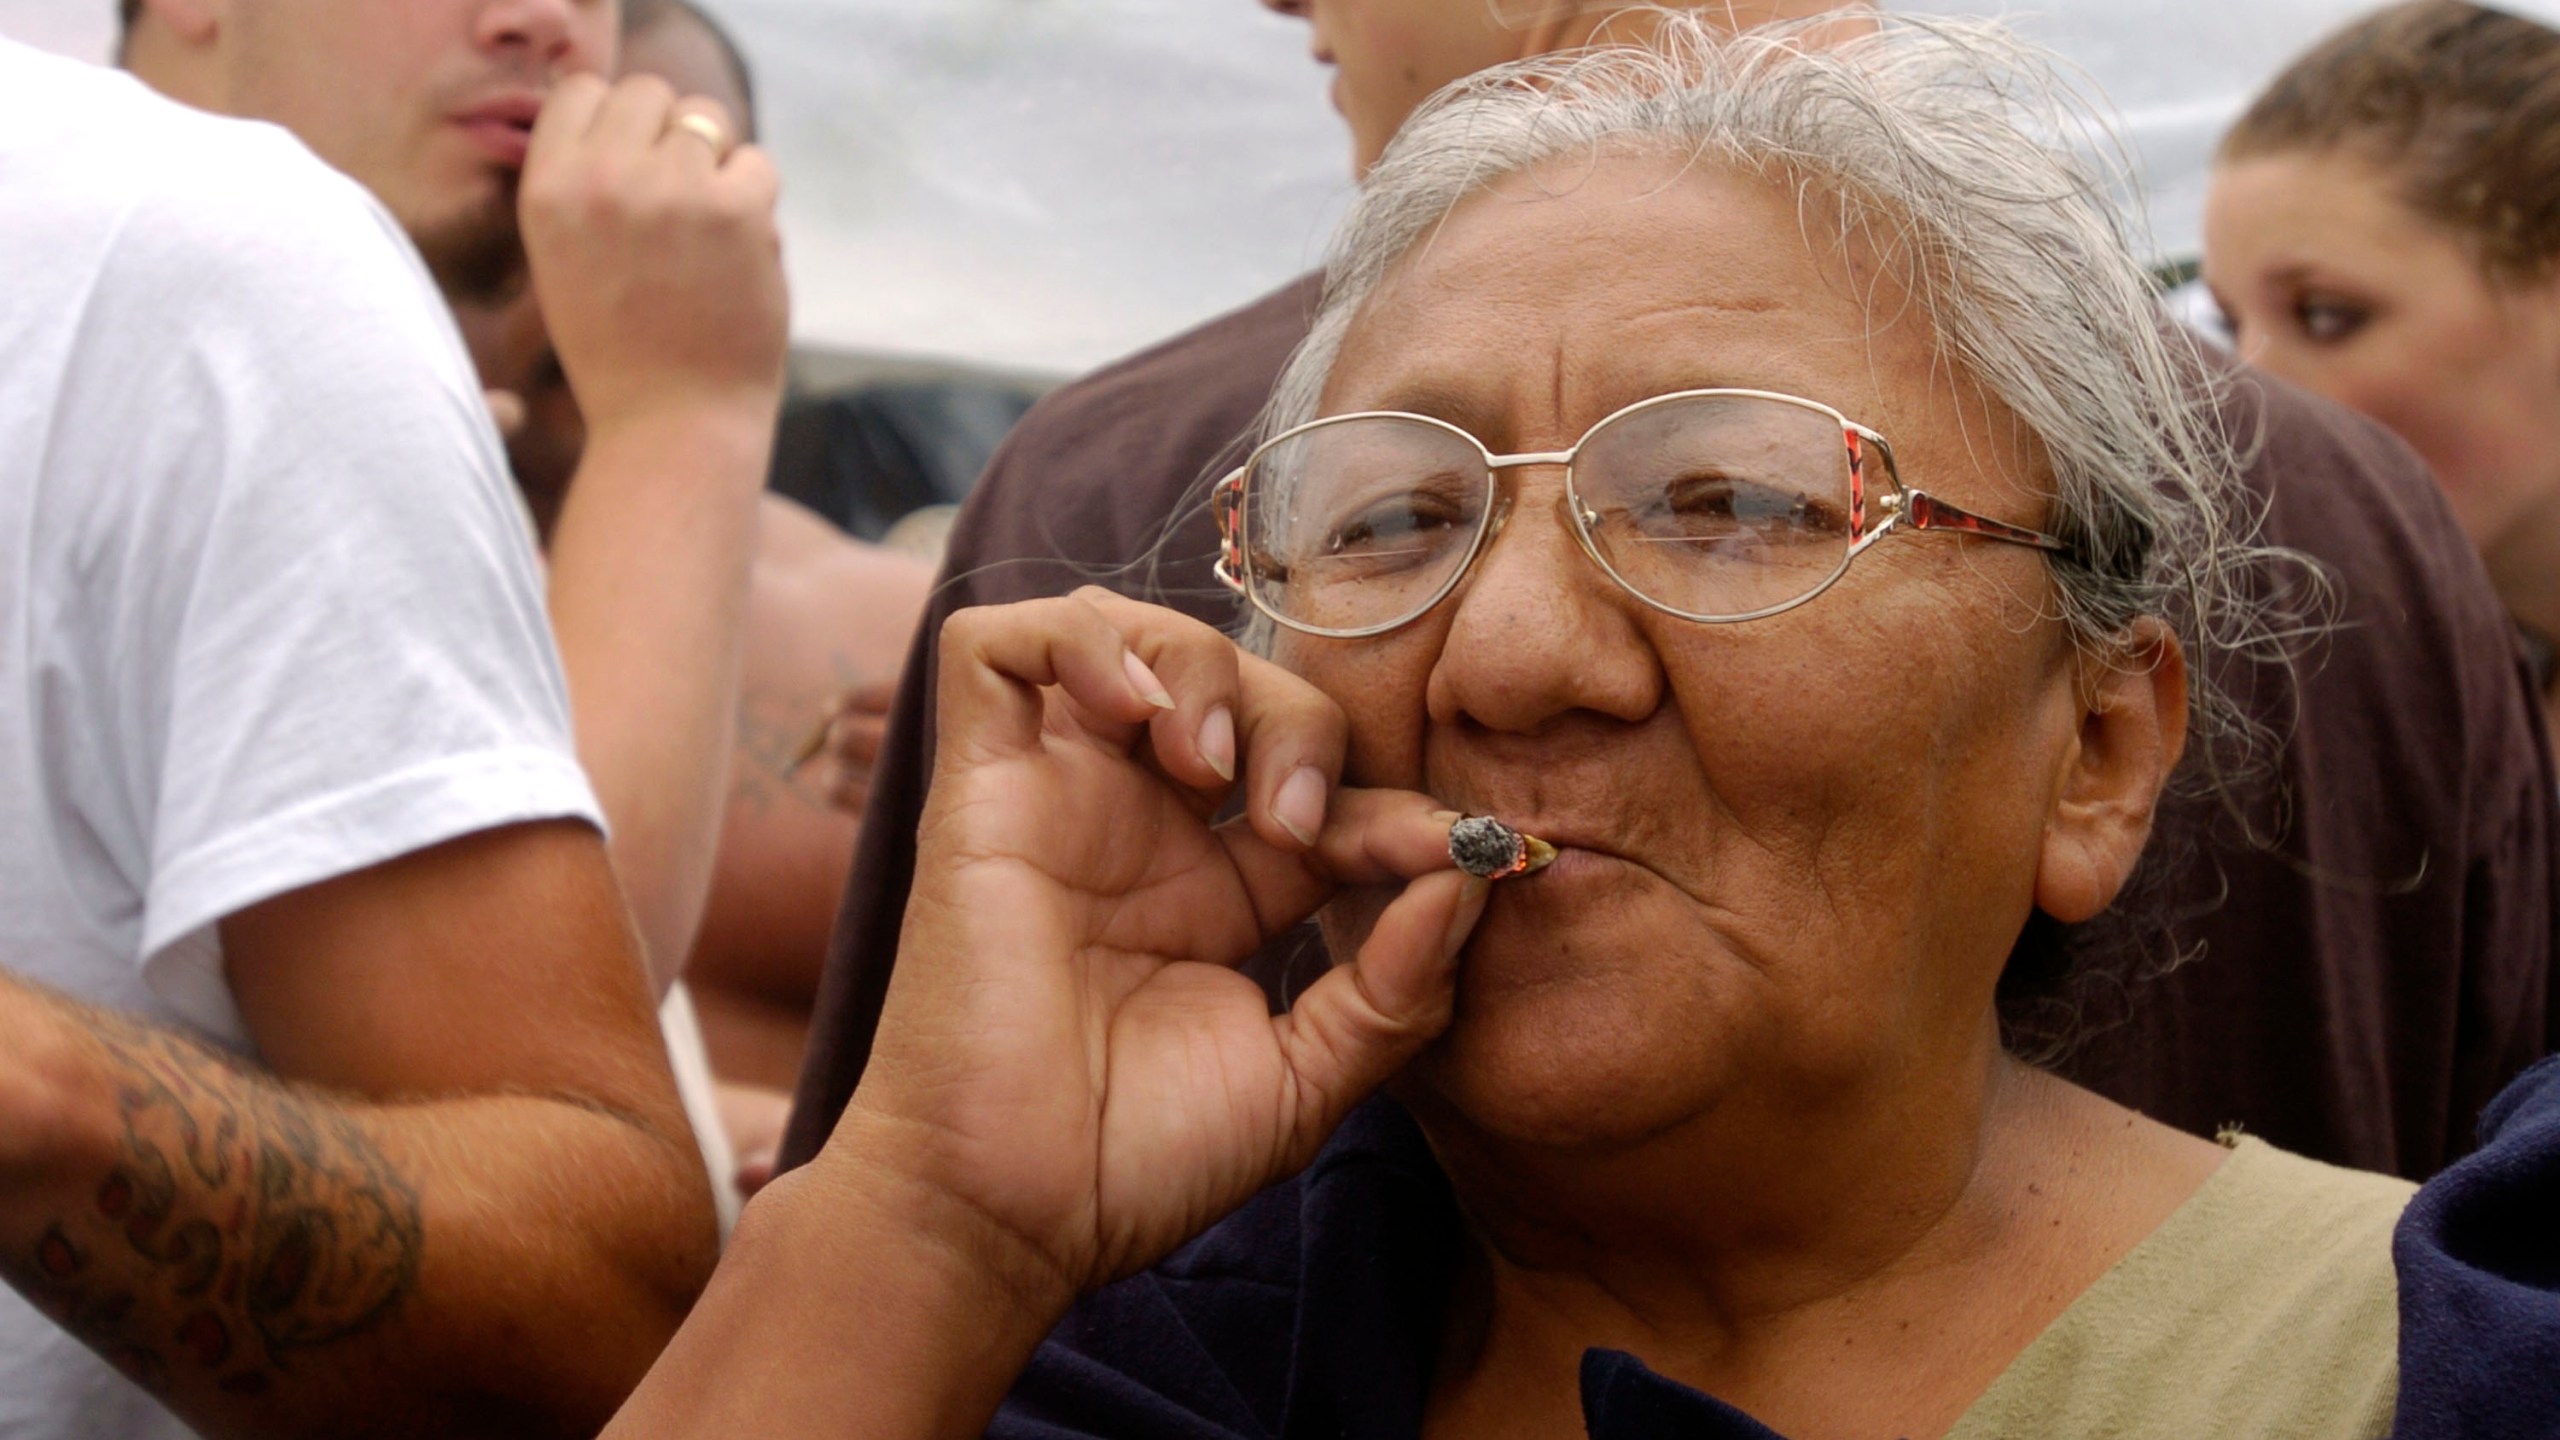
(1227, 503)
(1924, 511)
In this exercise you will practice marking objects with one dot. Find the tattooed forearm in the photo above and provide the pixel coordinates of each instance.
(808, 745)
(238, 1224)
(763, 774)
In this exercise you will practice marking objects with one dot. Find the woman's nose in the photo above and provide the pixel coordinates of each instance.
(1539, 630)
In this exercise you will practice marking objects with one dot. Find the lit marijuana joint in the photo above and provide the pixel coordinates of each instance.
(1484, 846)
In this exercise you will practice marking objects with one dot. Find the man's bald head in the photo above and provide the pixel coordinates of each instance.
(685, 45)
(1388, 56)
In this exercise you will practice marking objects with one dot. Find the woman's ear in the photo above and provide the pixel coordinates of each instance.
(2132, 731)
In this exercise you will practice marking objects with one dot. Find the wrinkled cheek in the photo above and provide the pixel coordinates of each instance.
(1379, 686)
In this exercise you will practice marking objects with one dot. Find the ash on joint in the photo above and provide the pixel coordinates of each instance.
(1484, 846)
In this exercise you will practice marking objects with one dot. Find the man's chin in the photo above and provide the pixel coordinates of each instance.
(476, 258)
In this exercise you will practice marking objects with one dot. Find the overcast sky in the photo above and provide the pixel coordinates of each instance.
(1045, 184)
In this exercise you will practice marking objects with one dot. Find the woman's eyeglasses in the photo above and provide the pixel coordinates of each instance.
(1712, 505)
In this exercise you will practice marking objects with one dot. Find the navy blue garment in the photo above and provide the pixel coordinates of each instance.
(2479, 1260)
(1622, 1400)
(1313, 1313)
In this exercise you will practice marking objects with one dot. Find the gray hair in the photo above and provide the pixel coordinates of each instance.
(1950, 146)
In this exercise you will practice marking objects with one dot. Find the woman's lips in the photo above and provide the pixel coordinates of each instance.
(1573, 864)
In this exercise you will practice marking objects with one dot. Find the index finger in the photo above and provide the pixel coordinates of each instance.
(1236, 714)
(634, 112)
(568, 111)
(1375, 837)
(997, 659)
(1370, 837)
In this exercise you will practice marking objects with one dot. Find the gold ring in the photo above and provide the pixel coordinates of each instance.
(702, 127)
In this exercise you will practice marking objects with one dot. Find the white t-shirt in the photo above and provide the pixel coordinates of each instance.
(267, 615)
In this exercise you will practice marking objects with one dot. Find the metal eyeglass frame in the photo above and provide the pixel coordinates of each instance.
(1903, 507)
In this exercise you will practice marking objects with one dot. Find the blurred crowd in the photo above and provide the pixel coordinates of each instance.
(554, 885)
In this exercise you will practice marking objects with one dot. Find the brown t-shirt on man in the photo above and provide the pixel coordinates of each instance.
(2367, 928)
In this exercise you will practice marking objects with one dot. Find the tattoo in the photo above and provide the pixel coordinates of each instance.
(768, 767)
(57, 1259)
(241, 1223)
(761, 774)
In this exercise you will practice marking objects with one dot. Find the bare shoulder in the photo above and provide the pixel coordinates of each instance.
(797, 546)
(821, 598)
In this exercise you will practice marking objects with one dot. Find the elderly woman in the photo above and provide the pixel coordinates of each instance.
(1759, 472)
(2384, 228)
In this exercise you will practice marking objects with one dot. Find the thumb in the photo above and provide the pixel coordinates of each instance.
(1359, 1024)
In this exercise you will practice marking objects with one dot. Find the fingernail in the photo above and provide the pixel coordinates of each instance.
(1218, 742)
(1150, 689)
(1299, 807)
(1447, 817)
(1471, 898)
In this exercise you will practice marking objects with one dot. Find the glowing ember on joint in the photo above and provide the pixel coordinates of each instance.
(1482, 845)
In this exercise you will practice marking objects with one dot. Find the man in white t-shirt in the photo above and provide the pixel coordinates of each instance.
(331, 1099)
(431, 105)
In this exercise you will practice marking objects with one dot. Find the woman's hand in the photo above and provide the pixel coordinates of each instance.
(1069, 1072)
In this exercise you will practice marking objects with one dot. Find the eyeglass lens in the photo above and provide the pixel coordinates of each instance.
(1713, 506)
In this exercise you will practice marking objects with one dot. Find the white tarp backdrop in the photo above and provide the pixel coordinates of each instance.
(1044, 184)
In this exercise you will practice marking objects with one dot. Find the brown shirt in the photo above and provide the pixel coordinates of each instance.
(2357, 989)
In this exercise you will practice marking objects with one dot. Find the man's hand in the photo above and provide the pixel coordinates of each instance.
(654, 254)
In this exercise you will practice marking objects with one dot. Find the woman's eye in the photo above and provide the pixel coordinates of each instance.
(1723, 501)
(1390, 524)
(2326, 319)
(1714, 500)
